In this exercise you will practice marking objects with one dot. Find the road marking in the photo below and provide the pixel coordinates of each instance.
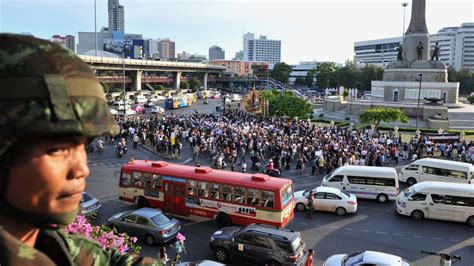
(454, 240)
(304, 223)
(349, 229)
(436, 238)
(333, 227)
(397, 234)
(365, 231)
(380, 232)
(417, 236)
(187, 160)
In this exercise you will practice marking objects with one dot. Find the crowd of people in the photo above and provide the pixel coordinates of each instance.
(236, 139)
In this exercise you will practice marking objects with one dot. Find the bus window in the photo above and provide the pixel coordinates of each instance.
(227, 193)
(126, 179)
(156, 181)
(286, 194)
(203, 189)
(192, 187)
(137, 179)
(268, 198)
(239, 194)
(253, 197)
(147, 179)
(215, 191)
(337, 178)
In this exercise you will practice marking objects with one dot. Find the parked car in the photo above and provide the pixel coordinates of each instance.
(139, 109)
(260, 244)
(366, 258)
(89, 204)
(327, 199)
(129, 112)
(157, 110)
(201, 263)
(150, 104)
(147, 223)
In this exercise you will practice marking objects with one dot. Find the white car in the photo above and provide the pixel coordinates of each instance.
(327, 199)
(366, 258)
(157, 110)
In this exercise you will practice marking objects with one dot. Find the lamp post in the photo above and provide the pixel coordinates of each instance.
(404, 5)
(95, 26)
(419, 96)
(123, 74)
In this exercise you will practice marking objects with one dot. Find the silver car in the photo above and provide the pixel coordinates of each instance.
(147, 223)
(89, 204)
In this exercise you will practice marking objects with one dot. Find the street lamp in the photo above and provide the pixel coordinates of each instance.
(95, 26)
(419, 96)
(404, 5)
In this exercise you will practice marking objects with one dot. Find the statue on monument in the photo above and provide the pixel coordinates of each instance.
(400, 52)
(435, 52)
(419, 50)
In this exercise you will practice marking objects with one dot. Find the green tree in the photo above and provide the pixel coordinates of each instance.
(379, 114)
(184, 85)
(348, 74)
(368, 73)
(326, 75)
(300, 81)
(465, 79)
(105, 87)
(310, 76)
(194, 84)
(286, 104)
(281, 72)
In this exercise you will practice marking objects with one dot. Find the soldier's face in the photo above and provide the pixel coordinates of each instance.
(47, 176)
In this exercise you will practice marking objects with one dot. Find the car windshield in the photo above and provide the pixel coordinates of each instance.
(353, 259)
(86, 197)
(161, 219)
(328, 175)
(409, 191)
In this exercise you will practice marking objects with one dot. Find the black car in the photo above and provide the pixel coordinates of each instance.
(260, 244)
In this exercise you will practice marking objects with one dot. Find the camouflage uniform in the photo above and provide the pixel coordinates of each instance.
(47, 91)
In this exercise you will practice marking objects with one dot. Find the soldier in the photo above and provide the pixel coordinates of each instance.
(435, 55)
(419, 50)
(400, 52)
(51, 106)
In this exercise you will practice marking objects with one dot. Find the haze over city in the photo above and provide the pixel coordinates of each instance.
(309, 30)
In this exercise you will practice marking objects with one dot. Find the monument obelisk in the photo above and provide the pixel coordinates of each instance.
(417, 32)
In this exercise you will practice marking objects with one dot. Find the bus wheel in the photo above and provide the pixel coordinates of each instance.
(411, 181)
(382, 198)
(470, 221)
(417, 215)
(142, 202)
(300, 207)
(223, 220)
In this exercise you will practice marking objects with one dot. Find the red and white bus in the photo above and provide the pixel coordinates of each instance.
(188, 191)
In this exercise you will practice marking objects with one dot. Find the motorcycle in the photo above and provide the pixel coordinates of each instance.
(100, 147)
(275, 172)
(218, 162)
(119, 151)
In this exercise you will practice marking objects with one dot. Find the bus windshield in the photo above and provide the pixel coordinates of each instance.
(286, 194)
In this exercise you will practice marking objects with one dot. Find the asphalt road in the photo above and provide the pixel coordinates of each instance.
(375, 226)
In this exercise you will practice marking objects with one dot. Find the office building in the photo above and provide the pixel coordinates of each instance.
(67, 41)
(456, 48)
(116, 16)
(378, 52)
(261, 49)
(216, 53)
(301, 70)
(166, 48)
(239, 55)
(237, 68)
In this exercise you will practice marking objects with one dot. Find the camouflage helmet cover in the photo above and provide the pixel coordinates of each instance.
(47, 90)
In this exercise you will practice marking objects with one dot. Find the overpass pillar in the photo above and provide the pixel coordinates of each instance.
(138, 80)
(177, 80)
(204, 82)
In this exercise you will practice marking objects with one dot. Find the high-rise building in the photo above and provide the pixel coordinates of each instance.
(166, 48)
(151, 48)
(456, 48)
(116, 16)
(67, 41)
(239, 55)
(261, 49)
(216, 53)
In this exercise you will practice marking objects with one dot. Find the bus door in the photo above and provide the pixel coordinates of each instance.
(175, 198)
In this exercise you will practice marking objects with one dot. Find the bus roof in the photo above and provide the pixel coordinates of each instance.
(469, 188)
(444, 163)
(259, 181)
(365, 170)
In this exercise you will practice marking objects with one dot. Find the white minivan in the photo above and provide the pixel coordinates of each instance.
(429, 169)
(368, 182)
(438, 200)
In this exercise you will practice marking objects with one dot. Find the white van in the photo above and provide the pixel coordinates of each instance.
(438, 200)
(121, 105)
(429, 169)
(368, 182)
(140, 99)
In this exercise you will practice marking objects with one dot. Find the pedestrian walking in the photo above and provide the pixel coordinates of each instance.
(162, 256)
(309, 258)
(180, 248)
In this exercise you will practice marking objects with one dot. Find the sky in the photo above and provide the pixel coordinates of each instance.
(322, 30)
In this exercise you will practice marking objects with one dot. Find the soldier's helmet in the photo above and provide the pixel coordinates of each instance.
(46, 90)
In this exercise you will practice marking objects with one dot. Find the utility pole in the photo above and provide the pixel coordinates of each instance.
(419, 96)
